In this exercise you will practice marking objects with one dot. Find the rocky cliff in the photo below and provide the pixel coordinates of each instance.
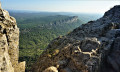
(68, 20)
(9, 44)
(92, 47)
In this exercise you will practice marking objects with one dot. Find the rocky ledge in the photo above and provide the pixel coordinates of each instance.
(92, 47)
(9, 44)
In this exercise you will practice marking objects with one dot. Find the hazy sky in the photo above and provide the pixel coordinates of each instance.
(86, 6)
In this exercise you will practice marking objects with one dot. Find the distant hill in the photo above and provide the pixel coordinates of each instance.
(85, 17)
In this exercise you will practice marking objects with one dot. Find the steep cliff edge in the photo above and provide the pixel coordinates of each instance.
(9, 44)
(92, 47)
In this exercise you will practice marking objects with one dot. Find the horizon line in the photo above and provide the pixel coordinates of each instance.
(52, 11)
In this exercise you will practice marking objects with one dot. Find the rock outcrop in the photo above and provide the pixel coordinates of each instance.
(9, 44)
(92, 47)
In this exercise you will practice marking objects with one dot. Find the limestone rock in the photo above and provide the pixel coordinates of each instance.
(9, 44)
(92, 47)
(51, 69)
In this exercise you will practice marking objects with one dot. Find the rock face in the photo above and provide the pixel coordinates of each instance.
(92, 47)
(9, 44)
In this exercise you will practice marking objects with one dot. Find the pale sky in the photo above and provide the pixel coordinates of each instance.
(84, 6)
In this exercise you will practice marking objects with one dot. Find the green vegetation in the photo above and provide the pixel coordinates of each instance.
(37, 31)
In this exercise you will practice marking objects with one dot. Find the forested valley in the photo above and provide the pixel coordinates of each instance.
(37, 29)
